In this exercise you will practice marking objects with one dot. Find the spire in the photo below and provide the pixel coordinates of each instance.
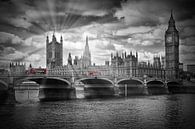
(86, 52)
(117, 54)
(136, 54)
(171, 20)
(87, 55)
(69, 59)
(54, 38)
(171, 26)
(87, 41)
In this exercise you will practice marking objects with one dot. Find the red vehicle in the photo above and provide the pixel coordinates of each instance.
(93, 73)
(37, 71)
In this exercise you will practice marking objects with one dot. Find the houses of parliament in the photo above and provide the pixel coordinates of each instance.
(125, 64)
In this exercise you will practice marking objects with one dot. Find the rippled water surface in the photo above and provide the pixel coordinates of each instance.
(144, 112)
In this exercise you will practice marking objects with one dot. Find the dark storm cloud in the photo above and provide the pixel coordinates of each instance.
(36, 17)
(154, 12)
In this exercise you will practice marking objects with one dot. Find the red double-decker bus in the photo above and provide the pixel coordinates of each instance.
(37, 71)
(93, 73)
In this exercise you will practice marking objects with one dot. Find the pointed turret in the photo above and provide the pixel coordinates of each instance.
(136, 54)
(47, 39)
(53, 37)
(61, 39)
(69, 59)
(131, 53)
(111, 55)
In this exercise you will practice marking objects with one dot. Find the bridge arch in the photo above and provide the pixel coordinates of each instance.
(131, 86)
(96, 87)
(47, 80)
(130, 80)
(153, 82)
(3, 85)
(156, 87)
(95, 81)
(173, 83)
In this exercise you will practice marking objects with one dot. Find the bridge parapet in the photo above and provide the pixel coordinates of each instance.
(72, 79)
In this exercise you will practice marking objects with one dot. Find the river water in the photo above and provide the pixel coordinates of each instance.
(141, 112)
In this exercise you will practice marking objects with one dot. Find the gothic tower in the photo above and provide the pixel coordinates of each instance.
(86, 60)
(172, 50)
(69, 59)
(54, 52)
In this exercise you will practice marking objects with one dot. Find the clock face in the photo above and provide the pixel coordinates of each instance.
(169, 39)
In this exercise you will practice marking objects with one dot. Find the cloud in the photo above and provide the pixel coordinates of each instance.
(4, 37)
(6, 51)
(112, 25)
(104, 45)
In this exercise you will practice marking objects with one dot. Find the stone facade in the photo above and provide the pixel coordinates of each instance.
(54, 52)
(17, 69)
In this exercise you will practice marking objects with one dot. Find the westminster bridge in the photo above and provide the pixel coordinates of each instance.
(120, 84)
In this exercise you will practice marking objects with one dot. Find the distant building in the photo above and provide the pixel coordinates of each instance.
(86, 59)
(191, 68)
(107, 63)
(54, 52)
(76, 59)
(4, 72)
(181, 67)
(77, 65)
(172, 50)
(17, 69)
(69, 59)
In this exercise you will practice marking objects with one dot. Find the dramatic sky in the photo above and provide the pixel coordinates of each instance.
(112, 25)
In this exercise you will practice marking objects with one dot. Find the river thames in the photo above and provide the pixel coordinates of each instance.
(140, 112)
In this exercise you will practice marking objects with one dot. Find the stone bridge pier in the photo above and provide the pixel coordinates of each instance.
(52, 88)
(7, 94)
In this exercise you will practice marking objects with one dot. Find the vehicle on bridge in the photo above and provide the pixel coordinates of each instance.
(36, 71)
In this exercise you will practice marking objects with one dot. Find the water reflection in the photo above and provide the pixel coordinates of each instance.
(166, 111)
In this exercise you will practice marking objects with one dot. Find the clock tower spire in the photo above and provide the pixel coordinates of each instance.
(172, 50)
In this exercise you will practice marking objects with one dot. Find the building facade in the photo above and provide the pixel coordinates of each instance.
(125, 64)
(54, 52)
(17, 69)
(172, 50)
(191, 68)
(128, 66)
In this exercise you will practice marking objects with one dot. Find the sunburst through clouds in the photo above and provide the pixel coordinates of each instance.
(112, 25)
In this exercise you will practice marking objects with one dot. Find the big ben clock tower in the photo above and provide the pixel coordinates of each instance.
(172, 50)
